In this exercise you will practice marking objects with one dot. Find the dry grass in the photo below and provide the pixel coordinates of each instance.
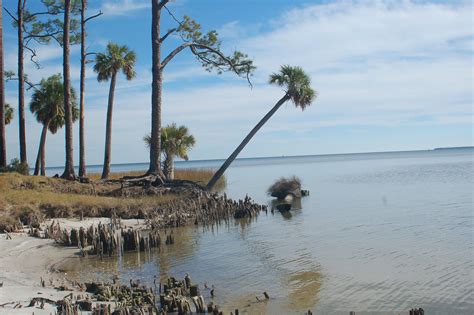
(30, 197)
(198, 175)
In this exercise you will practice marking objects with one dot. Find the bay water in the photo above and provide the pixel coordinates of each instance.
(380, 233)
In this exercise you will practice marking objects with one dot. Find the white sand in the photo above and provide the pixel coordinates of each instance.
(24, 260)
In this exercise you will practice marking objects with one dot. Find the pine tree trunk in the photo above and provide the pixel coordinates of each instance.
(3, 140)
(69, 167)
(234, 154)
(108, 129)
(21, 86)
(82, 162)
(39, 165)
(156, 90)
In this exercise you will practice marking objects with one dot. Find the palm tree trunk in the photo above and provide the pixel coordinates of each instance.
(171, 168)
(82, 162)
(3, 140)
(21, 85)
(168, 166)
(108, 129)
(156, 90)
(41, 148)
(69, 167)
(234, 154)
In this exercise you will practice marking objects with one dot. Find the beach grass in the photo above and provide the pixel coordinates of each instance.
(26, 197)
(22, 196)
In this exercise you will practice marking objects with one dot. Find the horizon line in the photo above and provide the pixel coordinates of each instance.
(286, 156)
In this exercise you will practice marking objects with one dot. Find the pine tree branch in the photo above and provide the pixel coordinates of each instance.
(33, 56)
(171, 31)
(162, 4)
(42, 35)
(11, 15)
(172, 16)
(93, 17)
(202, 56)
(172, 54)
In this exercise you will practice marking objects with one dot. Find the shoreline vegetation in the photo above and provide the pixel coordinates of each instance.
(30, 199)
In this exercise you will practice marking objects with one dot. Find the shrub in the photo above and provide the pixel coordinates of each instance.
(16, 166)
(284, 186)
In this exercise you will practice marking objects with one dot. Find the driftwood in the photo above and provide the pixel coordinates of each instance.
(41, 301)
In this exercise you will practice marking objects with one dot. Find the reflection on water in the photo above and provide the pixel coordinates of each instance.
(303, 289)
(379, 235)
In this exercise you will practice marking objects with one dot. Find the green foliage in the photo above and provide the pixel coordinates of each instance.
(47, 103)
(9, 75)
(8, 114)
(114, 59)
(43, 26)
(175, 141)
(297, 84)
(16, 166)
(208, 50)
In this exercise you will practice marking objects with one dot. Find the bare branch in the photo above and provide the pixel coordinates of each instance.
(171, 31)
(11, 15)
(31, 85)
(172, 15)
(33, 56)
(93, 16)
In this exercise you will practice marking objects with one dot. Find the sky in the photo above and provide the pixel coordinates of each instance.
(390, 75)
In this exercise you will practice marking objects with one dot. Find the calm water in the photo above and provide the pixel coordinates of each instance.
(380, 234)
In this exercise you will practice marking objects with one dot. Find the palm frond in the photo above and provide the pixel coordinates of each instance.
(297, 85)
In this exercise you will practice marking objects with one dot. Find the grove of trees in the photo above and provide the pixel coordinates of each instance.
(54, 103)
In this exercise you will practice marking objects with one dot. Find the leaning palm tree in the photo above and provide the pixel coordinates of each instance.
(8, 114)
(298, 89)
(47, 104)
(175, 141)
(107, 65)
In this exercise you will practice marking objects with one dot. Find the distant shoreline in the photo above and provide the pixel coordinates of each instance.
(286, 156)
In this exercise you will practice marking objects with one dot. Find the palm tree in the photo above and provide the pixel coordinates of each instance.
(298, 89)
(107, 65)
(8, 114)
(47, 103)
(175, 141)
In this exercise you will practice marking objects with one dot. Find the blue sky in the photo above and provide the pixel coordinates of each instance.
(391, 75)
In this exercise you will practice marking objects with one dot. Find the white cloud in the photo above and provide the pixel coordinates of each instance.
(232, 30)
(123, 7)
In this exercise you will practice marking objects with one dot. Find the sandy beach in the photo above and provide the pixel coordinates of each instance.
(25, 260)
